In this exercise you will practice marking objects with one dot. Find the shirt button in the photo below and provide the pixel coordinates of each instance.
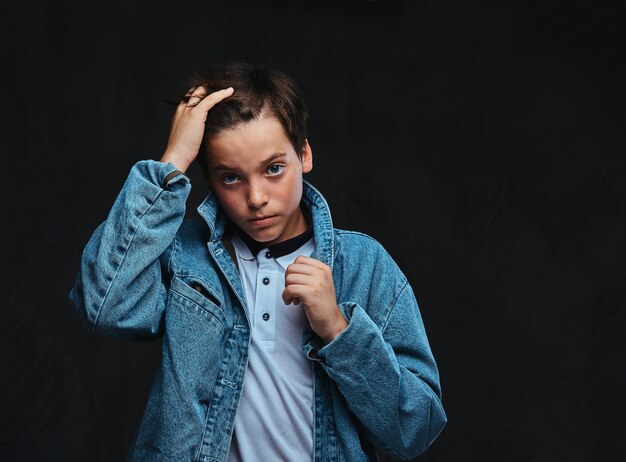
(268, 254)
(266, 281)
(266, 316)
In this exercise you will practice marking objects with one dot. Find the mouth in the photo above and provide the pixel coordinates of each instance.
(262, 220)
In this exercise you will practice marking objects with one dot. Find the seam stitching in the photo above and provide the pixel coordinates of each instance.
(130, 242)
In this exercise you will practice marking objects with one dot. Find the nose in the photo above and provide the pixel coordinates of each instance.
(257, 195)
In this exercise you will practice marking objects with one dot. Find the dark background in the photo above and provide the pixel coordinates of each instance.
(481, 144)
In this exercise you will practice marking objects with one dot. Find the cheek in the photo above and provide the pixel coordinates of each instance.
(297, 189)
(229, 201)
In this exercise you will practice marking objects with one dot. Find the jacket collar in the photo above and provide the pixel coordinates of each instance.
(217, 220)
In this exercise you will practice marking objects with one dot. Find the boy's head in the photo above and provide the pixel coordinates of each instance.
(259, 92)
(255, 150)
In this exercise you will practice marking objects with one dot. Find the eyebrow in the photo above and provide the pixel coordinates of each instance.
(276, 155)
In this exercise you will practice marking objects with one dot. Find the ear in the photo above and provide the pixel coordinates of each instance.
(307, 157)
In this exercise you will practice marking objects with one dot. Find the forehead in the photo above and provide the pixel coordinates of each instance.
(249, 143)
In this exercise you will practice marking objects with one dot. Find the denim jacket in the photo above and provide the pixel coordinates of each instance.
(147, 272)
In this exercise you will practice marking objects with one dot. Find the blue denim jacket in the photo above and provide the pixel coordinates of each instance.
(146, 272)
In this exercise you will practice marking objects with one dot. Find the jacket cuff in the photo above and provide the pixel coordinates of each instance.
(343, 351)
(169, 174)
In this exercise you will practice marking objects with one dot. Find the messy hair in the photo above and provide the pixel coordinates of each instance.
(259, 92)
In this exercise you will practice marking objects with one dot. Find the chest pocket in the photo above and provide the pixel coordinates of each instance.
(195, 332)
(197, 298)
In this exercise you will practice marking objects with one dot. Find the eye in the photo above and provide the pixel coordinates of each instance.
(226, 178)
(275, 169)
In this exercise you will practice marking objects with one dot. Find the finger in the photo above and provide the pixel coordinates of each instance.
(294, 300)
(297, 278)
(214, 98)
(185, 99)
(180, 109)
(197, 95)
(183, 102)
(295, 291)
(310, 261)
(289, 299)
(302, 268)
(286, 300)
(187, 95)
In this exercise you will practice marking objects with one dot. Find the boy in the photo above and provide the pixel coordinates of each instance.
(283, 338)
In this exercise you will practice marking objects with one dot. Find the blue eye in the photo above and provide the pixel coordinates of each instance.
(224, 179)
(274, 172)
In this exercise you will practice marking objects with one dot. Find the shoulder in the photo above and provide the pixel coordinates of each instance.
(355, 235)
(366, 274)
(357, 241)
(354, 248)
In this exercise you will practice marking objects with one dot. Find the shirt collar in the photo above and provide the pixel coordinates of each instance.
(243, 252)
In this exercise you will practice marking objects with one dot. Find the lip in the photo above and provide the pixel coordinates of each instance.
(262, 221)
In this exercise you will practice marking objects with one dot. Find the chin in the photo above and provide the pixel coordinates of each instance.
(266, 237)
(262, 235)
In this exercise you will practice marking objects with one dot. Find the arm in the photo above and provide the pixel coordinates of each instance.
(119, 288)
(388, 376)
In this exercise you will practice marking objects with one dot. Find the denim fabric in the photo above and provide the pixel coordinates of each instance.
(147, 273)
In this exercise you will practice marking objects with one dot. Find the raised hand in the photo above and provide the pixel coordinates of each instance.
(187, 127)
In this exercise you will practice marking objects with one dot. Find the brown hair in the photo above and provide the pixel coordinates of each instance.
(259, 92)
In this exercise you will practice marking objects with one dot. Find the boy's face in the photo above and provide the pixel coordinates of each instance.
(255, 172)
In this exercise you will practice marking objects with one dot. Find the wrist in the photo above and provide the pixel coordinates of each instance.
(179, 162)
(337, 328)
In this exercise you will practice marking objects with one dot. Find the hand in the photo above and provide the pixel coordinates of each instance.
(187, 127)
(311, 281)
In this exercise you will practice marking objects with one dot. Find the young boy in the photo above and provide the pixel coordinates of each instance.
(283, 338)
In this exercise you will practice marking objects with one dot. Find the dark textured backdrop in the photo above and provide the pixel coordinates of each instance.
(482, 145)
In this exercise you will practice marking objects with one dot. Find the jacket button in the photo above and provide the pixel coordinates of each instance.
(268, 254)
(266, 316)
(266, 281)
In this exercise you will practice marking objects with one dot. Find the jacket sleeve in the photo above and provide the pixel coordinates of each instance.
(120, 288)
(388, 376)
